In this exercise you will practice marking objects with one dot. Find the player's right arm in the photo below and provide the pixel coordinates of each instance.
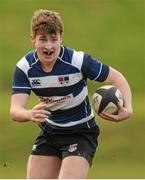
(19, 112)
(21, 90)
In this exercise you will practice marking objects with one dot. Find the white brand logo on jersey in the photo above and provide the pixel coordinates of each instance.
(36, 82)
(72, 147)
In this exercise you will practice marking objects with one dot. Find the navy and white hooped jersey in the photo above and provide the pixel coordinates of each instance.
(64, 89)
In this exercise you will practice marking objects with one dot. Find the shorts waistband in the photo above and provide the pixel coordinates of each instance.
(45, 126)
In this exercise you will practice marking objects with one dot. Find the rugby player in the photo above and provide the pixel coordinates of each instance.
(58, 75)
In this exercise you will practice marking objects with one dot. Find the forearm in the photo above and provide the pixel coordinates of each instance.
(20, 114)
(118, 80)
(37, 114)
(122, 84)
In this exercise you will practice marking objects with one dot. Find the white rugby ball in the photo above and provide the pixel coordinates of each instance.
(105, 99)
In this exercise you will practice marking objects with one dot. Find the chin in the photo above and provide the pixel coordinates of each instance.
(49, 60)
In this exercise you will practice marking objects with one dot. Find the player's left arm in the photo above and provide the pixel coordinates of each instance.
(117, 79)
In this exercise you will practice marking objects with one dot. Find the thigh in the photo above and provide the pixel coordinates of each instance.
(43, 167)
(82, 144)
(74, 167)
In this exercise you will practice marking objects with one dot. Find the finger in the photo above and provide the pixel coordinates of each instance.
(42, 111)
(35, 120)
(42, 120)
(40, 116)
(105, 117)
(41, 106)
(110, 116)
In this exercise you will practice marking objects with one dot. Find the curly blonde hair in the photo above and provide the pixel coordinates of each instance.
(45, 21)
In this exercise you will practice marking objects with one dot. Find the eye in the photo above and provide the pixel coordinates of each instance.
(42, 39)
(54, 39)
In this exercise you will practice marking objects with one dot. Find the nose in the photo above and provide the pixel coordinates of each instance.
(48, 45)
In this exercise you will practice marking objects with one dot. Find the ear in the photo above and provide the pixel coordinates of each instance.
(32, 39)
(61, 39)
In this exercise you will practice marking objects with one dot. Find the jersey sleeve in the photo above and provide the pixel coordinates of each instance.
(20, 82)
(94, 69)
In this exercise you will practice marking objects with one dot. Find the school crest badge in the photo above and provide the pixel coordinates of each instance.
(63, 79)
(72, 147)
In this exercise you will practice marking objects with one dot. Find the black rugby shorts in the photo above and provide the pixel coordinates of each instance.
(81, 142)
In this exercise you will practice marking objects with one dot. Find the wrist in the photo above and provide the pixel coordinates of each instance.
(129, 110)
(28, 115)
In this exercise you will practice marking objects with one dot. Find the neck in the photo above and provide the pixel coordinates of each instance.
(47, 67)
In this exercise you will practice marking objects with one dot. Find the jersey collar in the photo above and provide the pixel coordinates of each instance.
(60, 54)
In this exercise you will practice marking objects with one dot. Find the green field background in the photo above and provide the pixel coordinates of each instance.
(110, 30)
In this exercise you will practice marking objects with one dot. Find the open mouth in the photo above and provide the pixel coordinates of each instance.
(48, 53)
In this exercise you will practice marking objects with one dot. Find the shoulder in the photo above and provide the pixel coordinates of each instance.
(73, 57)
(27, 61)
(78, 58)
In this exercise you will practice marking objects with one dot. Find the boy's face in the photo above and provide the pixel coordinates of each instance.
(47, 46)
